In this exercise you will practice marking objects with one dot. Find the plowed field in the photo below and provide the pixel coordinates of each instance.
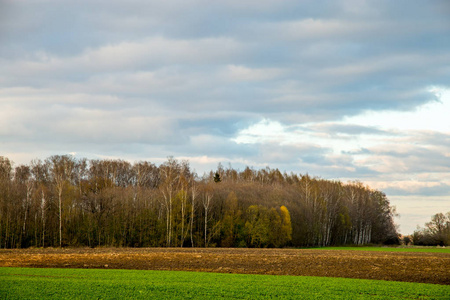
(398, 266)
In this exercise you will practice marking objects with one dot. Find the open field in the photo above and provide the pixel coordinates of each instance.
(424, 267)
(27, 283)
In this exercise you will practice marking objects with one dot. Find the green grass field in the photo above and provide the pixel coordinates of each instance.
(392, 249)
(29, 283)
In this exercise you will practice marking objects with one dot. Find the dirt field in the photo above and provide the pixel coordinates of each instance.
(398, 266)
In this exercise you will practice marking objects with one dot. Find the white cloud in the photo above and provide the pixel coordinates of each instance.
(433, 116)
(263, 132)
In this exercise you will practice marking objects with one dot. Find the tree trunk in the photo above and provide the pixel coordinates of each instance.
(206, 226)
(194, 194)
(43, 218)
(60, 215)
(206, 203)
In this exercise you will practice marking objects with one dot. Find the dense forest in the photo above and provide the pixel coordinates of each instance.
(63, 201)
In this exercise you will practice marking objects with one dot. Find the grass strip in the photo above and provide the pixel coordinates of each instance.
(35, 283)
(391, 249)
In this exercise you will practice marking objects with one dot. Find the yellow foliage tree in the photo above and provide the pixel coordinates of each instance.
(286, 224)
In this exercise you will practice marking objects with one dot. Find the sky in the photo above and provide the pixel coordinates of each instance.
(343, 90)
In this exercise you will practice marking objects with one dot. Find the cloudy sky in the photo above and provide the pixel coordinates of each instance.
(348, 90)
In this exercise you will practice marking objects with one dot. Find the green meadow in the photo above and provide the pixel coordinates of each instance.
(392, 249)
(34, 283)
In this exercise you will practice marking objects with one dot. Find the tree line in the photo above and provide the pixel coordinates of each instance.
(64, 201)
(436, 232)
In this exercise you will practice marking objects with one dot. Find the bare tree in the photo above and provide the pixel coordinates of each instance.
(194, 193)
(169, 185)
(22, 178)
(5, 186)
(41, 174)
(61, 168)
(206, 200)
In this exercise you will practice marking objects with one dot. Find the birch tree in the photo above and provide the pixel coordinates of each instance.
(206, 201)
(194, 193)
(61, 168)
(169, 185)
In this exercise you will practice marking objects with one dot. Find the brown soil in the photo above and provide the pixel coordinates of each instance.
(398, 266)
